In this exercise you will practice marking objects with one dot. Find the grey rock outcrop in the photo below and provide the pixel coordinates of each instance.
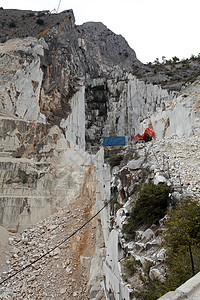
(25, 23)
(107, 48)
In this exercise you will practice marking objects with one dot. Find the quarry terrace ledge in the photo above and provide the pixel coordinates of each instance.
(189, 290)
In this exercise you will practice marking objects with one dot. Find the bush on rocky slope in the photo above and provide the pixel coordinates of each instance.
(181, 239)
(151, 205)
(114, 156)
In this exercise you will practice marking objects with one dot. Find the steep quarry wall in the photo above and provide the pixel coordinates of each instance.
(105, 268)
(137, 100)
(123, 105)
(179, 117)
(117, 105)
(26, 94)
(74, 125)
(21, 77)
(40, 171)
(41, 166)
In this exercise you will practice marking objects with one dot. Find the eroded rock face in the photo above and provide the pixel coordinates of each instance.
(105, 48)
(23, 23)
(40, 171)
(21, 77)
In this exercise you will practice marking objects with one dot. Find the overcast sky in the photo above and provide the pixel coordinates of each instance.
(153, 28)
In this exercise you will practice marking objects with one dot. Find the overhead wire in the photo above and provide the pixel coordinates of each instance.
(70, 236)
(62, 242)
(58, 6)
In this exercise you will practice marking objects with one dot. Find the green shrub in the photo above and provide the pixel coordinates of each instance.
(151, 205)
(135, 67)
(182, 240)
(152, 289)
(175, 59)
(182, 243)
(114, 156)
(12, 24)
(126, 54)
(129, 266)
(40, 21)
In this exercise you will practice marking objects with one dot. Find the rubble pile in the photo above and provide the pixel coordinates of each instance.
(180, 160)
(174, 161)
(64, 272)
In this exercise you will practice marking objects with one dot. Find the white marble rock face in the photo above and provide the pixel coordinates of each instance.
(21, 77)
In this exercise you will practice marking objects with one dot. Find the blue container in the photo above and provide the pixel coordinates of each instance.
(114, 141)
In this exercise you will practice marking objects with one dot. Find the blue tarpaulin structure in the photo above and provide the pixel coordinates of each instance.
(114, 141)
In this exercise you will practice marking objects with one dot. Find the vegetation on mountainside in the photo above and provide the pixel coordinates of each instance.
(114, 156)
(171, 74)
(40, 21)
(174, 60)
(129, 266)
(151, 206)
(181, 239)
(12, 24)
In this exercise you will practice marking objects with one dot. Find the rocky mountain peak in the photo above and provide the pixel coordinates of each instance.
(93, 45)
(112, 48)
